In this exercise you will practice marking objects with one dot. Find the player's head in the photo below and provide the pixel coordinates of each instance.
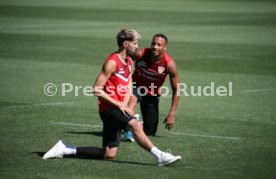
(161, 36)
(127, 35)
(159, 44)
(128, 38)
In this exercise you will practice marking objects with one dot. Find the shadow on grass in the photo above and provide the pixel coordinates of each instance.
(98, 134)
(130, 162)
(40, 154)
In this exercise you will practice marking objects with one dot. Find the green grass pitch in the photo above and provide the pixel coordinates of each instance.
(66, 41)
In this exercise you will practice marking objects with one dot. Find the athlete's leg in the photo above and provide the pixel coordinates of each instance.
(110, 140)
(134, 99)
(150, 114)
(111, 134)
(140, 136)
(132, 103)
(163, 158)
(90, 152)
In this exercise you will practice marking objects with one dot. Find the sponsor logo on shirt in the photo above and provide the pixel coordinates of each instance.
(122, 88)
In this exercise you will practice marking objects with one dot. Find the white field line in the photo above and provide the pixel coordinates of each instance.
(42, 104)
(259, 90)
(74, 124)
(206, 136)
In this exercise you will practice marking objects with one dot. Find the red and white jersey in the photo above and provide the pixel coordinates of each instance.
(117, 84)
(147, 73)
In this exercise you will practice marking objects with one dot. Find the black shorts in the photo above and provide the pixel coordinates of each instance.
(113, 122)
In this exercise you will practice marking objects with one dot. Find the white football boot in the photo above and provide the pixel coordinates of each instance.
(57, 151)
(167, 158)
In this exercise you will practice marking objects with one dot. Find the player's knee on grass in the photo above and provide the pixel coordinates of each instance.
(109, 156)
(110, 153)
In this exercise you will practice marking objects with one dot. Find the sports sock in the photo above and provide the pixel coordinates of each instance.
(156, 152)
(70, 150)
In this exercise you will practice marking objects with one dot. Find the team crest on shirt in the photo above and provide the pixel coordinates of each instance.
(161, 69)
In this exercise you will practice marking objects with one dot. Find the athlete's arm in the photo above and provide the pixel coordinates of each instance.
(174, 80)
(107, 69)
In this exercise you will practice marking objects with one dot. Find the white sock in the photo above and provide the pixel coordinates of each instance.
(70, 150)
(156, 152)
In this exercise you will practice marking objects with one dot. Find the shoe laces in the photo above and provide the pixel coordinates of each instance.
(166, 155)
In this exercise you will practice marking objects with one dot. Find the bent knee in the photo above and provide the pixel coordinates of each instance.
(110, 153)
(109, 156)
(135, 125)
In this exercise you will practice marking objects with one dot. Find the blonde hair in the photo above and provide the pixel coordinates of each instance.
(127, 34)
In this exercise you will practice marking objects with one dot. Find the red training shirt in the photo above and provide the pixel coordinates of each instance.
(117, 84)
(146, 72)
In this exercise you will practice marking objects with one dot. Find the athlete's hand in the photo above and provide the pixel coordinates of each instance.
(130, 112)
(124, 108)
(169, 122)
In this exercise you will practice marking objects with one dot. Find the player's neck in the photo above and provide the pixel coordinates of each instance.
(122, 56)
(155, 59)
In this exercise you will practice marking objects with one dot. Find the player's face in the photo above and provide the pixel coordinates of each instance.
(158, 46)
(132, 47)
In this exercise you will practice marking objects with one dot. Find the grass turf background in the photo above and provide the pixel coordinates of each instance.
(67, 41)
